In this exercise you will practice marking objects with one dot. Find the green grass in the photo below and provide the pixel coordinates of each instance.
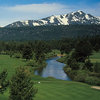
(64, 90)
(50, 88)
(10, 64)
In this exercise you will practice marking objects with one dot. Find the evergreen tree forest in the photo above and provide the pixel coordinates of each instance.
(78, 64)
(48, 32)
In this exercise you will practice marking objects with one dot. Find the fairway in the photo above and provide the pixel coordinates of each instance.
(65, 90)
(10, 64)
(50, 88)
(62, 90)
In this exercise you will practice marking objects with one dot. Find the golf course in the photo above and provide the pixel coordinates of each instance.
(51, 88)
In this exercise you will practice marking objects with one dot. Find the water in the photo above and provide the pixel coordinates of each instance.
(53, 69)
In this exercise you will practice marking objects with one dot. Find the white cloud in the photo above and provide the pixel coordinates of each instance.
(10, 14)
(31, 11)
(53, 8)
(37, 8)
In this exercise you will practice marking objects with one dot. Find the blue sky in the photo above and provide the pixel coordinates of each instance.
(14, 10)
(15, 2)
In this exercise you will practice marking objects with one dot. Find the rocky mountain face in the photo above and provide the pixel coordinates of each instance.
(78, 17)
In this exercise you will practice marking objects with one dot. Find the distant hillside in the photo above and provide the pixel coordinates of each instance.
(48, 32)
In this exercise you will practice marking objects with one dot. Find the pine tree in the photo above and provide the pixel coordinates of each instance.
(3, 82)
(27, 52)
(83, 50)
(21, 87)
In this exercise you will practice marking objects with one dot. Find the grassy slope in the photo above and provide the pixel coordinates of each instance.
(49, 88)
(52, 89)
(10, 64)
(65, 90)
(95, 57)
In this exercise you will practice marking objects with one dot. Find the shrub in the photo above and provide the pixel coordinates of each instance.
(73, 64)
(62, 59)
(32, 63)
(51, 54)
(81, 75)
(88, 65)
(92, 80)
(72, 74)
(17, 55)
(97, 67)
(68, 69)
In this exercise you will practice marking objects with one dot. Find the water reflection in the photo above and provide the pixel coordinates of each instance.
(53, 69)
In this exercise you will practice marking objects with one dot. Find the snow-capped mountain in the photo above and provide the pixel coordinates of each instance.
(98, 18)
(78, 17)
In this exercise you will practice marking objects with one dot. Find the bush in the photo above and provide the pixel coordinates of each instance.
(94, 74)
(88, 65)
(73, 64)
(81, 75)
(72, 74)
(92, 80)
(34, 63)
(17, 55)
(62, 59)
(67, 69)
(51, 54)
(97, 67)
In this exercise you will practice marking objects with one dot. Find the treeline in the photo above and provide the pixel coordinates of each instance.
(39, 47)
(48, 32)
(38, 50)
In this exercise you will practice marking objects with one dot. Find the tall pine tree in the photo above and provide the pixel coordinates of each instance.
(27, 52)
(22, 87)
(3, 82)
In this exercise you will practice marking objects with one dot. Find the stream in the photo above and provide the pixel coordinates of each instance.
(53, 69)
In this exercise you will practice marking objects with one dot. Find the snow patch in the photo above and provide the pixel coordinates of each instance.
(44, 22)
(75, 19)
(80, 12)
(63, 20)
(52, 19)
(26, 22)
(87, 17)
(36, 24)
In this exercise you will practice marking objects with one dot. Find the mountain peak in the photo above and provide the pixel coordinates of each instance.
(80, 11)
(78, 17)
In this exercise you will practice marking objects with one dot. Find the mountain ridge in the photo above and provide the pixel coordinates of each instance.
(78, 17)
